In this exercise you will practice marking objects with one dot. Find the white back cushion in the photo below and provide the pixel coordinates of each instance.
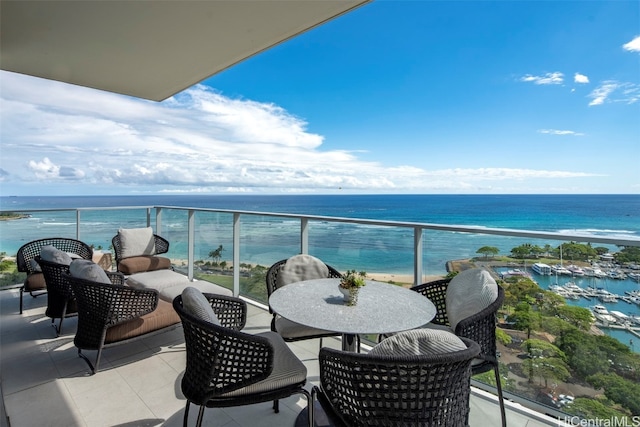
(53, 254)
(88, 270)
(419, 342)
(196, 304)
(301, 267)
(469, 292)
(137, 241)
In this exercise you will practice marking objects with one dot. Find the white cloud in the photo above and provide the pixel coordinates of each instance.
(197, 141)
(633, 45)
(560, 132)
(580, 78)
(555, 78)
(614, 91)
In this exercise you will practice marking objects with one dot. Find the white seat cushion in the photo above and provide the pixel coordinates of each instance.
(136, 241)
(88, 270)
(196, 304)
(169, 293)
(158, 279)
(301, 267)
(425, 341)
(468, 293)
(53, 254)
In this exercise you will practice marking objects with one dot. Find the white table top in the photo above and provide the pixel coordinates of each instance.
(381, 307)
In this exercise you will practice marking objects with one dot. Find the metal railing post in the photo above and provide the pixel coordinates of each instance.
(158, 220)
(236, 254)
(417, 256)
(304, 235)
(191, 237)
(77, 224)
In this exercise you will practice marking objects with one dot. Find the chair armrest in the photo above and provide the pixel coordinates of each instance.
(230, 311)
(116, 278)
(109, 304)
(436, 291)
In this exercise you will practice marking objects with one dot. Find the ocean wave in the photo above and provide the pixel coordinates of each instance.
(623, 234)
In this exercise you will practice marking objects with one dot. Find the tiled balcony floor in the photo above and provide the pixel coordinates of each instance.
(45, 383)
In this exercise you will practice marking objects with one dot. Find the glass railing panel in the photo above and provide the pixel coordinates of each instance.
(264, 240)
(385, 253)
(98, 227)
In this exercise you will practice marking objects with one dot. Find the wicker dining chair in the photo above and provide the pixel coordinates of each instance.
(426, 390)
(479, 326)
(227, 367)
(60, 300)
(291, 331)
(25, 260)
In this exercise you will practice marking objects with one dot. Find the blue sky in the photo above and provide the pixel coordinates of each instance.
(456, 97)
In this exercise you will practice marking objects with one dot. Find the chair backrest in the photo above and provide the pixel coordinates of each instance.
(162, 246)
(31, 250)
(58, 286)
(221, 359)
(425, 390)
(274, 270)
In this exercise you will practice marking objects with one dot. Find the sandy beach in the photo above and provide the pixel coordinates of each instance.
(380, 277)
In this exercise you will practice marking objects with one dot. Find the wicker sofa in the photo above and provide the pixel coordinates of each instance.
(110, 313)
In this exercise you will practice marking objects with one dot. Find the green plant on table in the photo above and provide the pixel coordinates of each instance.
(353, 281)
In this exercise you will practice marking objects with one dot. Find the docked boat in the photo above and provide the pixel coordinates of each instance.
(542, 269)
(601, 313)
(560, 270)
(575, 270)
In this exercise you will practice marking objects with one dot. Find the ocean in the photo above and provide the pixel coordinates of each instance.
(341, 245)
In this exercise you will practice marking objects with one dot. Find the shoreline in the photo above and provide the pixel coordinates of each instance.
(404, 279)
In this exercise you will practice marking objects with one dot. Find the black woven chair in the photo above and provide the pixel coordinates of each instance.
(480, 327)
(226, 367)
(25, 259)
(60, 300)
(291, 331)
(114, 314)
(162, 246)
(396, 390)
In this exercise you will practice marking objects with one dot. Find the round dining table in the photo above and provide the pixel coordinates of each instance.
(381, 308)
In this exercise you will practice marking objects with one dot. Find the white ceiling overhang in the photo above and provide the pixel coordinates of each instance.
(148, 49)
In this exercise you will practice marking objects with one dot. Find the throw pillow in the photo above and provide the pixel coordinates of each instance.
(196, 304)
(88, 270)
(53, 254)
(137, 241)
(419, 342)
(469, 292)
(301, 267)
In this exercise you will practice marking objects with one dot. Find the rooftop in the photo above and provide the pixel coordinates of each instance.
(44, 382)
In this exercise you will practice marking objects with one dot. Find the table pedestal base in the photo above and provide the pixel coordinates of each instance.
(320, 418)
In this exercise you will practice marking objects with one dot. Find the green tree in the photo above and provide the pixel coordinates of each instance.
(578, 316)
(216, 254)
(488, 251)
(616, 388)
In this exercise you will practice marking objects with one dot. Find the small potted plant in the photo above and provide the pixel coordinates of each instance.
(350, 284)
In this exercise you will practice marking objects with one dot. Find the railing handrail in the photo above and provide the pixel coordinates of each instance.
(374, 222)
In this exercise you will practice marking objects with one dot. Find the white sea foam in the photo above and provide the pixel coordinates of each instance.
(596, 232)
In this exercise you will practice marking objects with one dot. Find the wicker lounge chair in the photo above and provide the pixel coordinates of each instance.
(25, 259)
(60, 300)
(226, 367)
(396, 389)
(480, 327)
(114, 314)
(140, 262)
(289, 330)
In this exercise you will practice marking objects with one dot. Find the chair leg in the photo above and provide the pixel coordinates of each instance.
(200, 416)
(186, 414)
(21, 294)
(500, 398)
(276, 406)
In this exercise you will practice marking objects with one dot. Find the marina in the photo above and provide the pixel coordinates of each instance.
(615, 291)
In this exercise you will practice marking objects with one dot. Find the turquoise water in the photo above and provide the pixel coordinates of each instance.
(342, 245)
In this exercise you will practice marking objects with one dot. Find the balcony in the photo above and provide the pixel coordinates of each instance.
(45, 383)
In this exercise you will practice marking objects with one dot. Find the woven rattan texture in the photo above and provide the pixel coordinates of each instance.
(32, 249)
(60, 299)
(367, 390)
